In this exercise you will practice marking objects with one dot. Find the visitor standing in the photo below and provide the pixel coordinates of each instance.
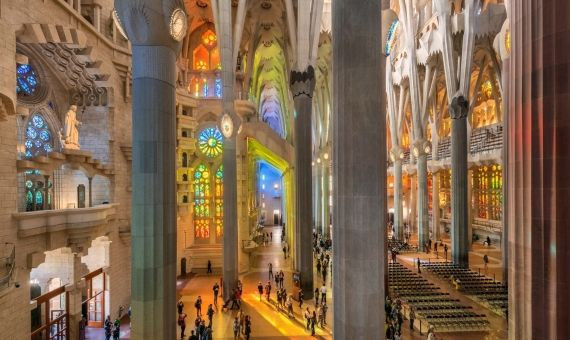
(308, 318)
(260, 289)
(486, 260)
(117, 329)
(313, 321)
(270, 271)
(412, 318)
(324, 293)
(209, 267)
(198, 305)
(317, 294)
(301, 298)
(236, 328)
(216, 290)
(182, 324)
(247, 327)
(180, 306)
(445, 251)
(108, 328)
(210, 314)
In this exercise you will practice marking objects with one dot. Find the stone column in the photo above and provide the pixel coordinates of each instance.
(325, 198)
(224, 27)
(318, 199)
(153, 211)
(470, 214)
(359, 172)
(90, 191)
(422, 198)
(302, 86)
(459, 205)
(538, 162)
(48, 204)
(435, 213)
(505, 73)
(398, 209)
(411, 204)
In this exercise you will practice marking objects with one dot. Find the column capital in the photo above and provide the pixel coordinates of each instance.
(421, 147)
(153, 22)
(302, 83)
(459, 107)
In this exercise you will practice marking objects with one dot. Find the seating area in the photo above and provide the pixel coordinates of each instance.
(492, 294)
(432, 306)
(401, 247)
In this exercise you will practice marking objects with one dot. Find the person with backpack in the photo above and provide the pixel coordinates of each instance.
(108, 328)
(182, 323)
(117, 329)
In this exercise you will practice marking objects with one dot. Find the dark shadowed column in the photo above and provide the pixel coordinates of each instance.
(359, 144)
(538, 163)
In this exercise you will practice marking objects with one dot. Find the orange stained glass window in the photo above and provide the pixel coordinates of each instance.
(209, 39)
(201, 58)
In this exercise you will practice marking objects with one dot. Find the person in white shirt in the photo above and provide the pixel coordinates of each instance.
(324, 293)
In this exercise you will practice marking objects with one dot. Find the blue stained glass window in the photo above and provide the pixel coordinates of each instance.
(27, 80)
(39, 198)
(44, 135)
(29, 197)
(391, 37)
(205, 90)
(218, 89)
(38, 136)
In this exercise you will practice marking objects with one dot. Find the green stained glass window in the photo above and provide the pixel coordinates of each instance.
(210, 142)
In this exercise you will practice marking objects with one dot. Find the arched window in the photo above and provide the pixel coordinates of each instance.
(219, 190)
(39, 139)
(202, 198)
(206, 54)
(184, 159)
(27, 80)
(210, 142)
(185, 177)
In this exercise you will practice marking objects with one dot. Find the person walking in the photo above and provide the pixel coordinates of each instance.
(419, 263)
(193, 336)
(268, 290)
(486, 261)
(198, 305)
(271, 236)
(210, 314)
(412, 318)
(270, 271)
(241, 318)
(313, 321)
(320, 316)
(301, 298)
(108, 328)
(216, 290)
(325, 309)
(317, 294)
(260, 289)
(247, 327)
(117, 330)
(324, 293)
(209, 267)
(236, 328)
(182, 324)
(319, 266)
(180, 306)
(285, 252)
(308, 318)
(445, 251)
(289, 306)
(431, 333)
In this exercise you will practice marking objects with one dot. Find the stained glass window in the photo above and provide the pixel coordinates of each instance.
(27, 80)
(488, 195)
(219, 191)
(210, 142)
(218, 87)
(39, 138)
(390, 39)
(202, 201)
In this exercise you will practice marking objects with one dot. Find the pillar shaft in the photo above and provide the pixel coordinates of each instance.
(153, 230)
(538, 162)
(422, 201)
(359, 172)
(325, 198)
(398, 209)
(435, 206)
(318, 199)
(459, 204)
(505, 73)
(302, 86)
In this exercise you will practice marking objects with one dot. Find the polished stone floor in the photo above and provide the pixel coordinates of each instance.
(270, 323)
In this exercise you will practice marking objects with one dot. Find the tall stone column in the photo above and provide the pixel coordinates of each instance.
(359, 172)
(412, 203)
(153, 211)
(318, 200)
(505, 74)
(435, 213)
(229, 124)
(398, 208)
(325, 198)
(538, 162)
(470, 212)
(459, 205)
(422, 198)
(302, 86)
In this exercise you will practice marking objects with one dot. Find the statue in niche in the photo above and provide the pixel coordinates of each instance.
(71, 129)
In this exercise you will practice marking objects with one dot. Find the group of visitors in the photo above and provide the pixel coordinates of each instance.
(242, 325)
(112, 329)
(321, 252)
(316, 317)
(267, 238)
(234, 298)
(394, 318)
